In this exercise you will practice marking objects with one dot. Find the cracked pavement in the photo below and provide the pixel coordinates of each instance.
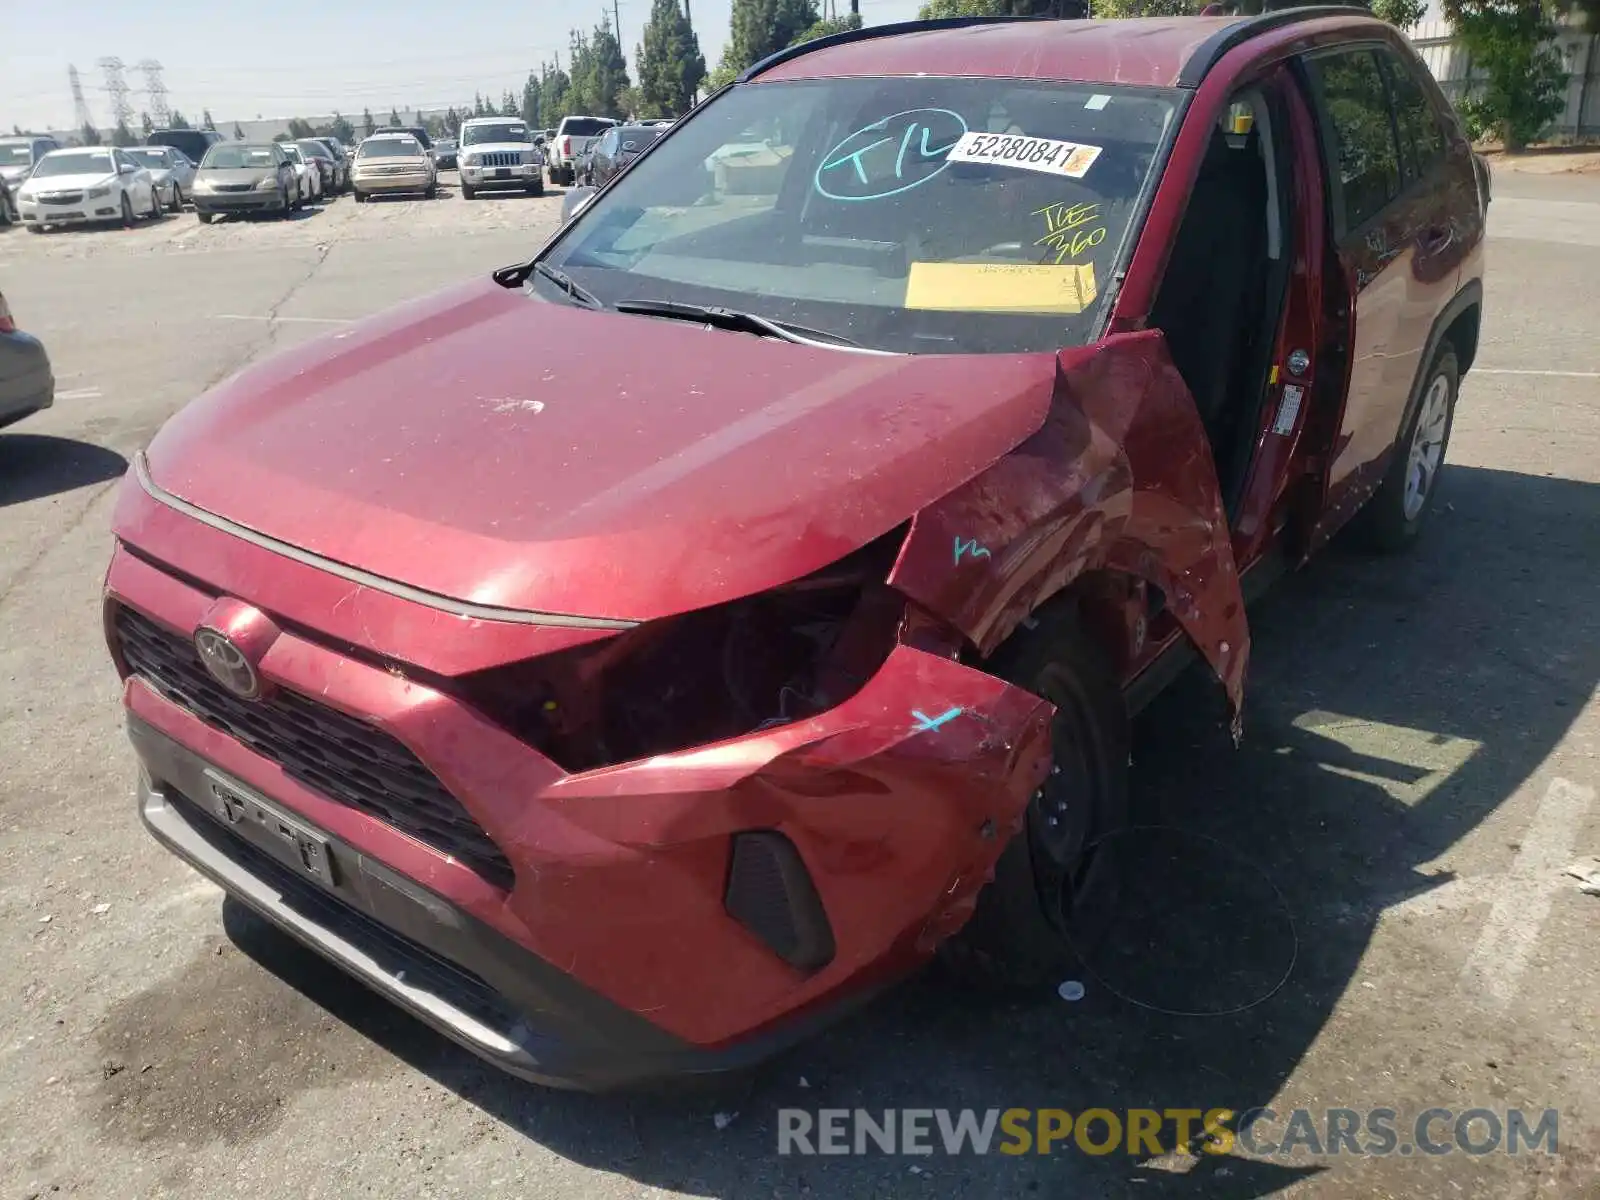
(1419, 763)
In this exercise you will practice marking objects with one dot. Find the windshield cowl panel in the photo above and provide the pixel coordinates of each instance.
(910, 214)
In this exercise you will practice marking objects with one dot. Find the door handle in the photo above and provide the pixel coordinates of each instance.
(1434, 240)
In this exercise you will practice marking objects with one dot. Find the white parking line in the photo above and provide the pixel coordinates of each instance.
(1520, 371)
(79, 394)
(303, 320)
(1494, 968)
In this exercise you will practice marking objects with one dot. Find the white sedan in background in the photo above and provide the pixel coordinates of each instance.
(306, 172)
(95, 183)
(171, 169)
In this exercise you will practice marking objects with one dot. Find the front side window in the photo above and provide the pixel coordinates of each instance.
(1364, 153)
(16, 156)
(923, 215)
(1422, 140)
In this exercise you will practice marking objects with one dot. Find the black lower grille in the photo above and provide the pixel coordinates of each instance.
(341, 757)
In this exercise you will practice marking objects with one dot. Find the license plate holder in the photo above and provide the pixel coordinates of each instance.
(502, 172)
(265, 824)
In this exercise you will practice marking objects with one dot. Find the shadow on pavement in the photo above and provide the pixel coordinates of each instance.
(1255, 900)
(32, 466)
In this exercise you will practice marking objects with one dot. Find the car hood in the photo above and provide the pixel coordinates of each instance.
(14, 175)
(70, 183)
(236, 174)
(512, 452)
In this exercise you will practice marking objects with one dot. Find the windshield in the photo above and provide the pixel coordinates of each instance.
(234, 158)
(13, 156)
(83, 162)
(477, 135)
(584, 126)
(151, 158)
(390, 148)
(968, 215)
(315, 149)
(294, 154)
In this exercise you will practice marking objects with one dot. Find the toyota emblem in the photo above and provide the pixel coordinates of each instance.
(226, 663)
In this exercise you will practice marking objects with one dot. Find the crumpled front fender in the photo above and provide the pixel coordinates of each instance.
(1120, 476)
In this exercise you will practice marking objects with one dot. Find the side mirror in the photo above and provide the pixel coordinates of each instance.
(575, 201)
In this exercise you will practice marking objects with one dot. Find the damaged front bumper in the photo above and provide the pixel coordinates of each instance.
(685, 913)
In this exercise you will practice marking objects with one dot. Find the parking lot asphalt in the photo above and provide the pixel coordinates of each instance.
(1365, 899)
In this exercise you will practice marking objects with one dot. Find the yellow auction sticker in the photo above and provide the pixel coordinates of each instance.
(1001, 287)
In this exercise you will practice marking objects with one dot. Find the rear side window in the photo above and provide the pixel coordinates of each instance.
(1364, 155)
(584, 126)
(1422, 140)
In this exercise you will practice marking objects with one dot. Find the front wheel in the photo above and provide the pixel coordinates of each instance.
(206, 218)
(433, 191)
(360, 197)
(1054, 887)
(156, 210)
(177, 199)
(468, 191)
(1394, 516)
(127, 211)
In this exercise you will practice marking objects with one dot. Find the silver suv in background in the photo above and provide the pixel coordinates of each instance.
(19, 154)
(566, 148)
(498, 152)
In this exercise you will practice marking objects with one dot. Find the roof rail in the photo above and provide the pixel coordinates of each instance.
(874, 31)
(1208, 53)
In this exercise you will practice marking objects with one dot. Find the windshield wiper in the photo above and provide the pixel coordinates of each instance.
(731, 319)
(561, 279)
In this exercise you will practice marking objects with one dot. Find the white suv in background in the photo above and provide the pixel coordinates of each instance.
(498, 152)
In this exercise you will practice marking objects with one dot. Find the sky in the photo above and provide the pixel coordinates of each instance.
(309, 57)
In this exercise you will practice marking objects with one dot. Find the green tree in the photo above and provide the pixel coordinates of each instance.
(367, 123)
(758, 28)
(341, 129)
(530, 101)
(146, 124)
(205, 120)
(394, 115)
(89, 134)
(509, 106)
(555, 94)
(725, 74)
(609, 78)
(238, 132)
(1146, 8)
(828, 26)
(123, 136)
(178, 121)
(1525, 80)
(300, 128)
(671, 66)
(452, 122)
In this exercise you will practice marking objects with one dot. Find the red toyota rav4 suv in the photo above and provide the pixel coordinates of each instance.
(625, 715)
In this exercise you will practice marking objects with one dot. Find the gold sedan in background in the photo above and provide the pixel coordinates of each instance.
(393, 162)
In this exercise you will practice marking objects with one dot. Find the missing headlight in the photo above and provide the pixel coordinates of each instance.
(716, 673)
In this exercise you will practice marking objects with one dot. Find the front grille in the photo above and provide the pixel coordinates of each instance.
(235, 187)
(502, 158)
(62, 198)
(330, 752)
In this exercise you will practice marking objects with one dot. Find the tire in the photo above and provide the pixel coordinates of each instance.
(8, 214)
(536, 188)
(206, 218)
(468, 191)
(433, 192)
(1053, 887)
(1394, 517)
(156, 210)
(288, 208)
(177, 198)
(127, 212)
(36, 228)
(360, 197)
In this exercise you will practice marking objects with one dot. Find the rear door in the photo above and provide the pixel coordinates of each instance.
(1375, 223)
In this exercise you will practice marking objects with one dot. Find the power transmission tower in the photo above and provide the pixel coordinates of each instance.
(80, 106)
(116, 90)
(160, 111)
